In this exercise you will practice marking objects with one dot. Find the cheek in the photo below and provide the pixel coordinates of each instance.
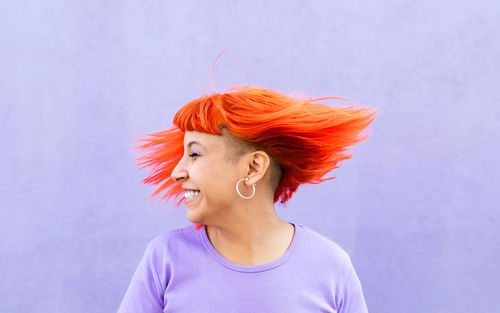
(218, 177)
(206, 173)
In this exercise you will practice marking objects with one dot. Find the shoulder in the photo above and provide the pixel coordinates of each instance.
(173, 233)
(325, 251)
(173, 240)
(333, 271)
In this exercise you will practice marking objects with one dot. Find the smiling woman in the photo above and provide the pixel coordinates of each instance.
(232, 156)
(307, 139)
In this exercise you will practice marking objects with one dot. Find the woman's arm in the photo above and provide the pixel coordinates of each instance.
(351, 299)
(144, 293)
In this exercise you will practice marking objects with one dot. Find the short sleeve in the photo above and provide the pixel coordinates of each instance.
(352, 299)
(144, 294)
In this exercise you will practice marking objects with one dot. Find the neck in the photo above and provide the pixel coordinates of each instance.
(253, 238)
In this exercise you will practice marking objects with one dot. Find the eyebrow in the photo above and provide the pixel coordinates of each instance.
(194, 142)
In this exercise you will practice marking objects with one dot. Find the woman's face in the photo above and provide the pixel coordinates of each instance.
(206, 167)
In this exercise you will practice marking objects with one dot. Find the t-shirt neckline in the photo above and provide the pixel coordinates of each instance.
(253, 268)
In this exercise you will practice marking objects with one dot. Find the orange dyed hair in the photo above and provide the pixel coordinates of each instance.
(307, 139)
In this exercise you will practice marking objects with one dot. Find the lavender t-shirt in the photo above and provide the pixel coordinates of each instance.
(181, 271)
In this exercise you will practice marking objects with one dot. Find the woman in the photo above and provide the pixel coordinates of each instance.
(233, 155)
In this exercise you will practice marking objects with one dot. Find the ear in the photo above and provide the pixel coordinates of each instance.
(258, 163)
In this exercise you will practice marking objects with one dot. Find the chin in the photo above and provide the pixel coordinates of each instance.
(193, 218)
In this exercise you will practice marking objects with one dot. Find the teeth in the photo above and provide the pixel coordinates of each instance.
(191, 194)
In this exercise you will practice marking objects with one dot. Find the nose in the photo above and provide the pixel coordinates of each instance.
(179, 173)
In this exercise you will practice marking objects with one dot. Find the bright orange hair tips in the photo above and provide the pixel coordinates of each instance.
(308, 139)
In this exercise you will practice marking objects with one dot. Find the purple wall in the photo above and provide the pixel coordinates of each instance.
(415, 207)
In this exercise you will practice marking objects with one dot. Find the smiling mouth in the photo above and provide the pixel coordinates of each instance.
(191, 195)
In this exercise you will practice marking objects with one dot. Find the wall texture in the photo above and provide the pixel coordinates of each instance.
(415, 207)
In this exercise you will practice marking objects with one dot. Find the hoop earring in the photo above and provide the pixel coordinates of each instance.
(238, 191)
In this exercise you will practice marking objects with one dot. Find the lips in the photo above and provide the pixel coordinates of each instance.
(190, 189)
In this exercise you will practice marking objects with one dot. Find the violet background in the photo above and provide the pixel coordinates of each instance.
(416, 207)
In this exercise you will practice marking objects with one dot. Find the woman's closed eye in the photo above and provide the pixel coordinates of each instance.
(194, 154)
